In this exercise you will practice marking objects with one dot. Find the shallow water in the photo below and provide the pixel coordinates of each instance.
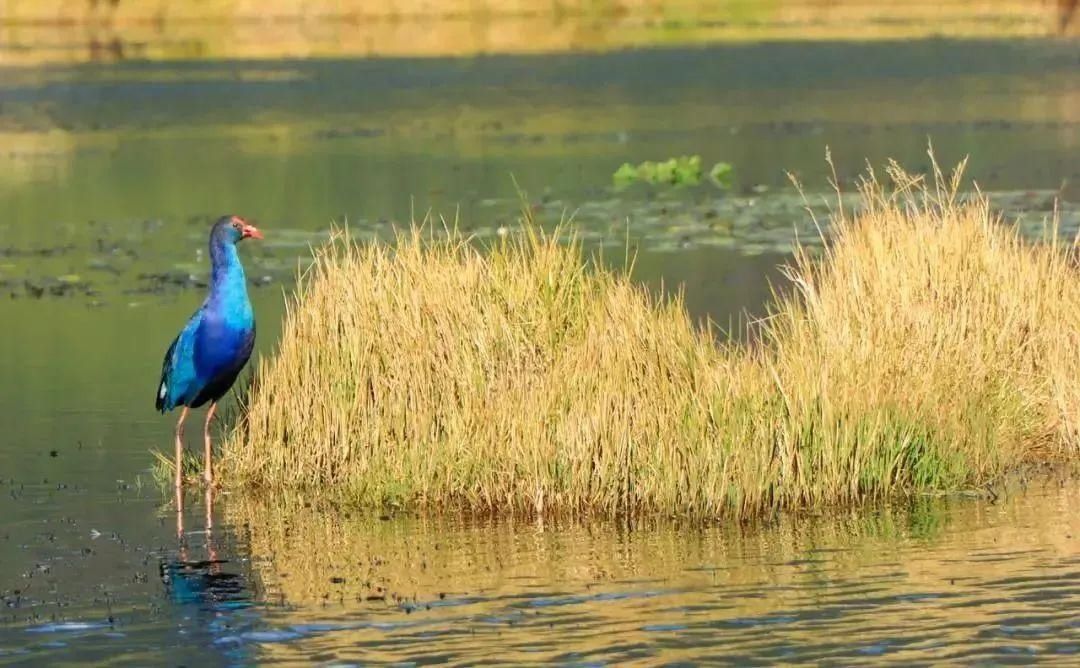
(109, 176)
(968, 581)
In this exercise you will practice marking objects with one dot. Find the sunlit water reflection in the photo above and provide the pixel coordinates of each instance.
(274, 580)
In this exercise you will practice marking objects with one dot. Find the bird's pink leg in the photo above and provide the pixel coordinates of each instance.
(211, 552)
(180, 448)
(180, 514)
(208, 469)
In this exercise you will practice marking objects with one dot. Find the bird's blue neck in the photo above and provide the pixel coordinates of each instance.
(228, 286)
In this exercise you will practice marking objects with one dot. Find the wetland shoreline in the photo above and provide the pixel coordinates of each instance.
(70, 32)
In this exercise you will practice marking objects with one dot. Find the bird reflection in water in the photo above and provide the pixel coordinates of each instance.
(203, 583)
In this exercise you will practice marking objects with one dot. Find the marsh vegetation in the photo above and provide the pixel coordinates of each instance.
(928, 347)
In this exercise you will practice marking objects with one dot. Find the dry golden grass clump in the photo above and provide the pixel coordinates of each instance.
(929, 347)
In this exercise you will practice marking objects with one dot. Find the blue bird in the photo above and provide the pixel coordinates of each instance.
(206, 357)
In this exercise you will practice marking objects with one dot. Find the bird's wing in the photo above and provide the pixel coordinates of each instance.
(166, 367)
(216, 379)
(177, 369)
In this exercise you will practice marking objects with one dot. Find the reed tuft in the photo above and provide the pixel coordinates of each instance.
(928, 348)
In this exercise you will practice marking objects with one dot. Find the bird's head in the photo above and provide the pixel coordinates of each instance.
(232, 229)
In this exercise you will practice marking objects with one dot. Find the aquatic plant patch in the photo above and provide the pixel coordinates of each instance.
(684, 170)
(927, 346)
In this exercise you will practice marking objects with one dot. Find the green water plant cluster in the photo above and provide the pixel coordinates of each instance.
(679, 171)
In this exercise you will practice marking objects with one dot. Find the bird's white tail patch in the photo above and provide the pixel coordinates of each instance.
(161, 392)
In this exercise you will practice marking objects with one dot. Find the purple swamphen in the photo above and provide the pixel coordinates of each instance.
(206, 357)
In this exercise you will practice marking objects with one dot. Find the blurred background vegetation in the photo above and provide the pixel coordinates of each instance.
(36, 31)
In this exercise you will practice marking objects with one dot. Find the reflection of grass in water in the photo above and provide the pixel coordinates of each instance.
(309, 552)
(930, 349)
(921, 518)
(516, 591)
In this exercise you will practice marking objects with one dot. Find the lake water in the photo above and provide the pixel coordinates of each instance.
(110, 174)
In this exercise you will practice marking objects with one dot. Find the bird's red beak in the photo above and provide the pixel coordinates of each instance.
(250, 231)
